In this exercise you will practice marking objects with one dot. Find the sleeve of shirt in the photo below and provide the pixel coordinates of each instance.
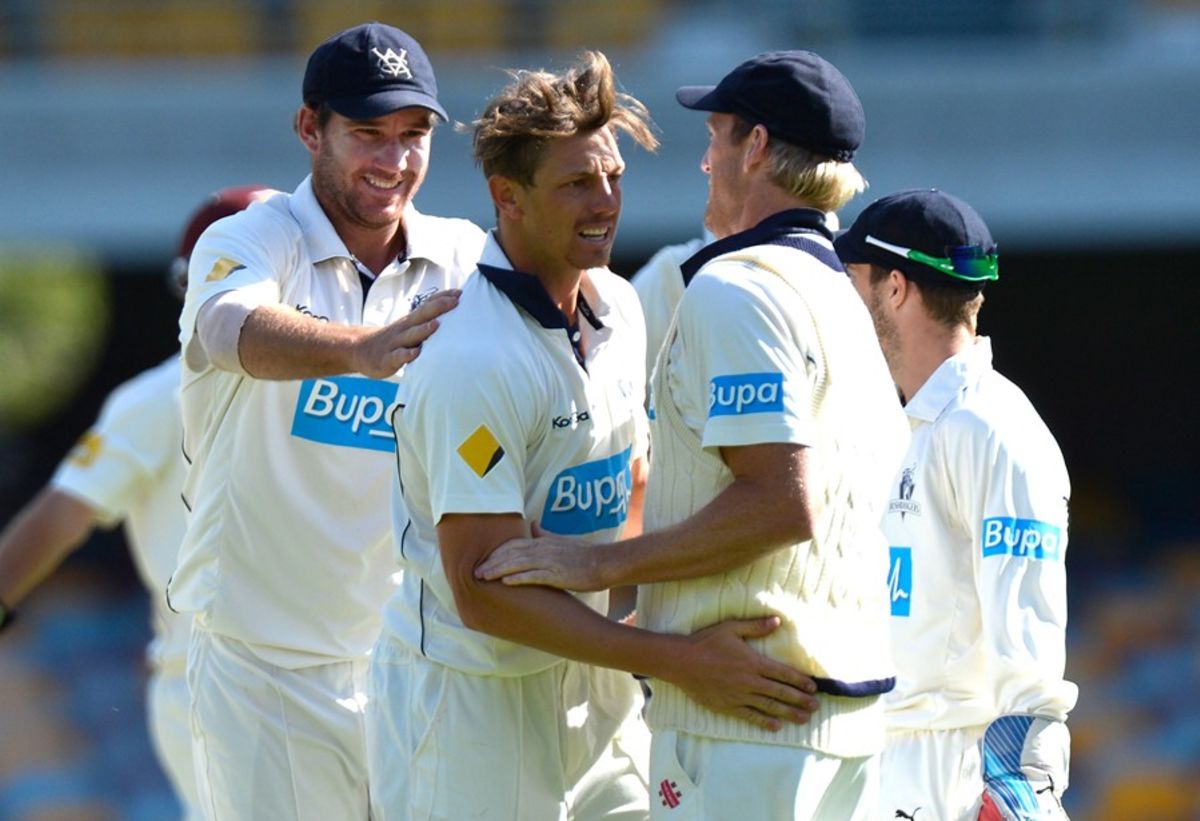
(1012, 498)
(471, 434)
(116, 462)
(246, 253)
(745, 360)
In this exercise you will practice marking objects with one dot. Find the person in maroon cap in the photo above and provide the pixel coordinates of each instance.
(127, 467)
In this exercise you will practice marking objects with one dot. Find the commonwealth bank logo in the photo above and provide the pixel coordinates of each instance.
(392, 64)
(481, 451)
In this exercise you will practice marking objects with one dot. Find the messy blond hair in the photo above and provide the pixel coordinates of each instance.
(538, 106)
(823, 182)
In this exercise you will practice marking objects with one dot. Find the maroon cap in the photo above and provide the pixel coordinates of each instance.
(218, 204)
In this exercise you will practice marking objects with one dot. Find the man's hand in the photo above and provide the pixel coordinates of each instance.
(719, 670)
(382, 352)
(546, 559)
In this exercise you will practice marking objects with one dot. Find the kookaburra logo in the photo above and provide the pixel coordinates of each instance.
(392, 63)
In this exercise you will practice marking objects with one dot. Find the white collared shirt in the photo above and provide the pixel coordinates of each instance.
(289, 487)
(521, 427)
(128, 468)
(978, 533)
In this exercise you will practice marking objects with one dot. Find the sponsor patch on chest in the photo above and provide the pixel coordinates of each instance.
(589, 497)
(346, 411)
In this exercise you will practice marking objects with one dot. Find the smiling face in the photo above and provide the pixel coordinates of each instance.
(565, 222)
(365, 172)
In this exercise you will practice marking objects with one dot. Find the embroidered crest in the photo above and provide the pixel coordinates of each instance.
(393, 64)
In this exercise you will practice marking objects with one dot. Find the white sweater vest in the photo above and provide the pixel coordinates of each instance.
(830, 592)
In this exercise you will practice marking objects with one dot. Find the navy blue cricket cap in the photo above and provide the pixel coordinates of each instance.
(369, 71)
(797, 95)
(926, 234)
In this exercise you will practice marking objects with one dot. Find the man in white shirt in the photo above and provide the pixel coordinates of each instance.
(127, 467)
(296, 318)
(775, 433)
(508, 702)
(977, 527)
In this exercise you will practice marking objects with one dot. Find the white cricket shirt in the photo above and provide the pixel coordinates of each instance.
(499, 416)
(659, 286)
(289, 486)
(977, 525)
(128, 467)
(772, 345)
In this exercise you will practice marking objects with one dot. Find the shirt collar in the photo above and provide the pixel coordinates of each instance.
(526, 290)
(959, 371)
(323, 243)
(771, 230)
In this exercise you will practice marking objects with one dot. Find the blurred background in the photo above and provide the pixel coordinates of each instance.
(1072, 125)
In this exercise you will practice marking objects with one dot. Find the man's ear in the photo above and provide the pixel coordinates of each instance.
(507, 196)
(899, 289)
(307, 129)
(756, 147)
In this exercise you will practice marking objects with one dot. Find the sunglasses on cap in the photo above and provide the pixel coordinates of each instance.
(969, 263)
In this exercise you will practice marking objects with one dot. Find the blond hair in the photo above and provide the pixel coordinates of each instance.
(822, 182)
(538, 106)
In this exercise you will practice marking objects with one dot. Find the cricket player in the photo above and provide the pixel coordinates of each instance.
(977, 525)
(128, 468)
(776, 430)
(299, 312)
(497, 701)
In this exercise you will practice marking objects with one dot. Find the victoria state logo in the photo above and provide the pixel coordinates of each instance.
(392, 64)
(904, 504)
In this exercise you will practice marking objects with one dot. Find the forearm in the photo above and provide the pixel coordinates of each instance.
(558, 623)
(745, 522)
(37, 541)
(277, 342)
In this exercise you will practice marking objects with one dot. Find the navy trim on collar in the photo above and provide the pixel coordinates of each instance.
(526, 292)
(783, 228)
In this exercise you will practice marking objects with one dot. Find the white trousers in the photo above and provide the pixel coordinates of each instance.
(167, 706)
(563, 743)
(272, 743)
(693, 777)
(1021, 763)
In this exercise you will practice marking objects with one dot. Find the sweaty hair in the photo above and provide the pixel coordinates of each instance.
(823, 182)
(538, 106)
(947, 305)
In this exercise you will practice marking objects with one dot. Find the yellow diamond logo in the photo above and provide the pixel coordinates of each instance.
(223, 268)
(86, 449)
(481, 451)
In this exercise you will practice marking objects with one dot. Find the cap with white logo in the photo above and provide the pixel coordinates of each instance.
(369, 71)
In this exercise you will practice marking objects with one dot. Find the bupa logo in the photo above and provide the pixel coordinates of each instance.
(348, 411)
(589, 497)
(1024, 538)
(900, 580)
(743, 393)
